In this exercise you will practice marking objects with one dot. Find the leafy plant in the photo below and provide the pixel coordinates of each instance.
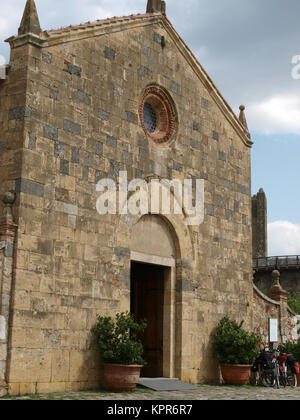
(117, 339)
(293, 348)
(294, 302)
(234, 345)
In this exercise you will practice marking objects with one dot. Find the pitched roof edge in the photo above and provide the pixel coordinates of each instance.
(53, 37)
(209, 84)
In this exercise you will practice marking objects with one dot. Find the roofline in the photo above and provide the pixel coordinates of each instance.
(117, 24)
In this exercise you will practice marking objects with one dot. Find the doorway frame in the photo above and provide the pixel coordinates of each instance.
(169, 309)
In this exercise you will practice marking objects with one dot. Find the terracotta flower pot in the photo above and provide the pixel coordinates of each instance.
(236, 374)
(119, 378)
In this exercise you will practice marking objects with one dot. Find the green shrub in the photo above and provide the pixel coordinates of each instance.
(294, 303)
(234, 345)
(293, 348)
(117, 339)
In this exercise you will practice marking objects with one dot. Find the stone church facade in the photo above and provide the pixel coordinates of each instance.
(76, 106)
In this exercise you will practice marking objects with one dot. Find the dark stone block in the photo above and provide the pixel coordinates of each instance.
(236, 206)
(243, 189)
(204, 175)
(204, 103)
(109, 53)
(19, 113)
(196, 126)
(89, 159)
(59, 150)
(143, 71)
(124, 278)
(85, 173)
(103, 115)
(72, 127)
(222, 156)
(9, 250)
(138, 174)
(195, 144)
(229, 185)
(127, 158)
(53, 94)
(152, 166)
(221, 202)
(143, 153)
(210, 210)
(75, 70)
(111, 141)
(228, 215)
(83, 97)
(30, 187)
(157, 38)
(98, 176)
(244, 219)
(204, 156)
(47, 57)
(99, 148)
(121, 252)
(50, 132)
(175, 87)
(64, 167)
(32, 142)
(215, 135)
(118, 90)
(114, 169)
(75, 155)
(184, 286)
(177, 166)
(130, 116)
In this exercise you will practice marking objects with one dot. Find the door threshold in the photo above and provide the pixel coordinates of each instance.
(166, 384)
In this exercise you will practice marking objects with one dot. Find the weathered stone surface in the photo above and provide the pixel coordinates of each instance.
(73, 263)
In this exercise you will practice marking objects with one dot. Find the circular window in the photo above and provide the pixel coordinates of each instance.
(150, 118)
(157, 115)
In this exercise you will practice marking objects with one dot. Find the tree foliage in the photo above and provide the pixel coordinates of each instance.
(117, 339)
(234, 345)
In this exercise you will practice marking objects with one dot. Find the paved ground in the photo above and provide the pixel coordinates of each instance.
(205, 392)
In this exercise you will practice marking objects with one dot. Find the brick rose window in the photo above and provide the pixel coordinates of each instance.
(157, 115)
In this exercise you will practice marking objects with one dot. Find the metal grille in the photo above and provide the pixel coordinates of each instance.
(150, 119)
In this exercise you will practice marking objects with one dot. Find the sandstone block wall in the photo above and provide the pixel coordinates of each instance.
(78, 122)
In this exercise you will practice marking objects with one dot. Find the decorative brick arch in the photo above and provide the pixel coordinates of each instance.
(165, 114)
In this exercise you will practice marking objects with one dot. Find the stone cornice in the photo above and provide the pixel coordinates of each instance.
(264, 297)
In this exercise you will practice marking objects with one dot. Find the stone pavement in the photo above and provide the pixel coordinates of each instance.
(205, 392)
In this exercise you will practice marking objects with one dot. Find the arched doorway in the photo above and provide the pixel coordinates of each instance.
(154, 251)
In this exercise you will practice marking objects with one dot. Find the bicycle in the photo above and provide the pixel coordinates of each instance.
(262, 371)
(285, 372)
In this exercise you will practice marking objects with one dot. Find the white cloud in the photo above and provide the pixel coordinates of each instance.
(283, 238)
(279, 114)
(2, 60)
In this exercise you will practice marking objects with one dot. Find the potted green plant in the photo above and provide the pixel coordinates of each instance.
(120, 350)
(236, 350)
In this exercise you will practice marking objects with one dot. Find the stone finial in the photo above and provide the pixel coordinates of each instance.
(242, 117)
(30, 22)
(277, 292)
(276, 278)
(156, 6)
(8, 199)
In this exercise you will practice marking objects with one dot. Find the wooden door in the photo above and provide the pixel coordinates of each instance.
(148, 303)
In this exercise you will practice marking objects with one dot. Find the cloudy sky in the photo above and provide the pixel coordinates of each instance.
(251, 49)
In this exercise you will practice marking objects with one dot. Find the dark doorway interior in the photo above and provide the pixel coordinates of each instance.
(147, 302)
